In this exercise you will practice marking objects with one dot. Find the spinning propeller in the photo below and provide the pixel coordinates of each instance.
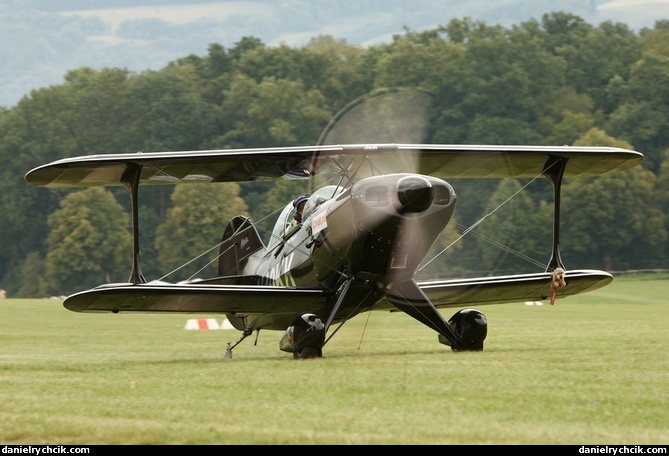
(403, 212)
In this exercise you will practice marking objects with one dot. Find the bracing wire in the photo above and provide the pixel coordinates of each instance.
(471, 228)
(191, 261)
(217, 245)
(465, 232)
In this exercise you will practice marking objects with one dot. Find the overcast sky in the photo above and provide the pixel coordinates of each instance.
(43, 39)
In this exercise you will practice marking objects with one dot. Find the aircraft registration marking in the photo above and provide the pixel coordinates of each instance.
(280, 273)
(319, 223)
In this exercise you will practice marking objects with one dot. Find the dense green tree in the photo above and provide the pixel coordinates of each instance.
(164, 111)
(186, 241)
(93, 113)
(89, 242)
(31, 135)
(642, 117)
(548, 82)
(282, 62)
(568, 116)
(343, 70)
(245, 45)
(275, 112)
(563, 30)
(661, 204)
(593, 56)
(211, 73)
(410, 61)
(641, 113)
(656, 40)
(514, 231)
(503, 81)
(31, 277)
(607, 220)
(425, 61)
(608, 223)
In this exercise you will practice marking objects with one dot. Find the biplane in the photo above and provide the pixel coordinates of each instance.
(358, 244)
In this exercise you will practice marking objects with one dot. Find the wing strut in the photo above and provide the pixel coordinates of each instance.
(553, 171)
(130, 180)
(410, 299)
(342, 294)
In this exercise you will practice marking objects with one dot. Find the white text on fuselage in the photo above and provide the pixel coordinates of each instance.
(280, 274)
(319, 223)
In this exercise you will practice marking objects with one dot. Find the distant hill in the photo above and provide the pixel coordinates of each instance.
(43, 39)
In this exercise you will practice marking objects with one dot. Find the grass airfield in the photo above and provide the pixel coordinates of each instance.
(590, 370)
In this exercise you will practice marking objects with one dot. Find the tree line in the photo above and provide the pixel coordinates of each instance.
(553, 81)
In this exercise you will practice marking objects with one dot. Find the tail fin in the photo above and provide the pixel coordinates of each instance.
(240, 240)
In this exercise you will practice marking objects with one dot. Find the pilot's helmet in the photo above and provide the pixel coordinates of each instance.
(296, 204)
(300, 198)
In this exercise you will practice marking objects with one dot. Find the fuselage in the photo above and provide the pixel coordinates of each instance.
(377, 231)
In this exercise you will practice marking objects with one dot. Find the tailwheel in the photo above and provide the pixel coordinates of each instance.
(304, 338)
(228, 351)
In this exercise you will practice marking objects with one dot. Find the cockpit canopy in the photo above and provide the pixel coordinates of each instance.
(284, 224)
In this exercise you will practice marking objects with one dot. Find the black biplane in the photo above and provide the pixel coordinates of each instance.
(359, 242)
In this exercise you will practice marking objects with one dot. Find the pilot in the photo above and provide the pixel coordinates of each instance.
(298, 204)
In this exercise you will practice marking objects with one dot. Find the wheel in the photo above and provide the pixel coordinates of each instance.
(308, 352)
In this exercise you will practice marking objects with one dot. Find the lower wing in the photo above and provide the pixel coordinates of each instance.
(253, 299)
(195, 298)
(512, 288)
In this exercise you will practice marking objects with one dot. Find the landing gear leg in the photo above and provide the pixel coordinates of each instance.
(245, 334)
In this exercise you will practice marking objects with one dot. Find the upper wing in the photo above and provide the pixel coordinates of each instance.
(441, 160)
(172, 167)
(521, 161)
(513, 288)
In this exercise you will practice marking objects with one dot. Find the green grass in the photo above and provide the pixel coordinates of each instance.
(592, 369)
